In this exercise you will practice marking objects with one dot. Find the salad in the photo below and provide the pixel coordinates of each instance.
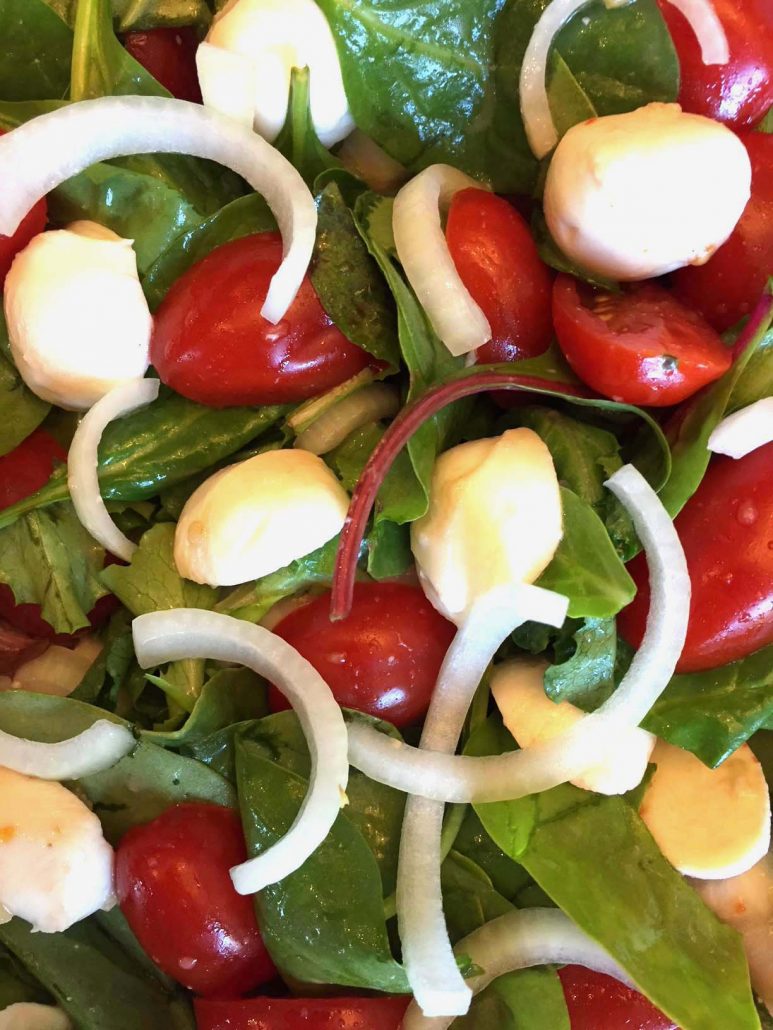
(386, 514)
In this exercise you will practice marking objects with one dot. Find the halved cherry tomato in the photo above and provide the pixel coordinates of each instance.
(32, 223)
(599, 1002)
(497, 261)
(642, 346)
(211, 343)
(382, 659)
(729, 285)
(301, 1014)
(726, 529)
(741, 91)
(174, 888)
(170, 57)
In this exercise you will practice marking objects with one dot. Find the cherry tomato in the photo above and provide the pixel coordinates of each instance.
(170, 57)
(175, 890)
(383, 659)
(642, 346)
(211, 344)
(599, 1002)
(32, 223)
(740, 92)
(726, 529)
(497, 261)
(301, 1014)
(729, 285)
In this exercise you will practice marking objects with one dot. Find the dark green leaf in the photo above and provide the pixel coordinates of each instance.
(469, 897)
(298, 139)
(36, 51)
(529, 999)
(17, 985)
(20, 410)
(756, 380)
(586, 674)
(552, 255)
(101, 683)
(507, 877)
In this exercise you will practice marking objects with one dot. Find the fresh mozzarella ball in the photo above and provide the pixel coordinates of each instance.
(494, 518)
(709, 823)
(56, 868)
(77, 318)
(256, 517)
(26, 1015)
(273, 37)
(531, 717)
(636, 195)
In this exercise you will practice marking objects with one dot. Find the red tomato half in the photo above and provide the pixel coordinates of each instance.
(599, 1002)
(170, 57)
(211, 343)
(497, 261)
(32, 223)
(174, 888)
(301, 1014)
(383, 659)
(641, 347)
(740, 92)
(729, 285)
(726, 529)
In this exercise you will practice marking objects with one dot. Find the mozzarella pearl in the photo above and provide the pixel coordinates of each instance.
(26, 1015)
(630, 196)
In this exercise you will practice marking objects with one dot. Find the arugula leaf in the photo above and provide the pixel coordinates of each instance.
(36, 51)
(596, 859)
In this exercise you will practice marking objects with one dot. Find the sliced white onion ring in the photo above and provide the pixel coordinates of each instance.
(194, 633)
(47, 150)
(535, 106)
(518, 940)
(97, 748)
(82, 462)
(744, 431)
(429, 961)
(423, 253)
(369, 404)
(456, 778)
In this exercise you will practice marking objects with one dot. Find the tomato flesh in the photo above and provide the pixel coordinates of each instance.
(170, 57)
(729, 285)
(641, 347)
(211, 344)
(174, 888)
(497, 261)
(301, 1014)
(737, 93)
(726, 530)
(33, 223)
(599, 1002)
(382, 659)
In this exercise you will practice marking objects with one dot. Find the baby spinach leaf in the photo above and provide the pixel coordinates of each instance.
(529, 999)
(583, 669)
(101, 67)
(37, 46)
(756, 380)
(17, 985)
(298, 139)
(20, 410)
(597, 861)
(507, 877)
(469, 897)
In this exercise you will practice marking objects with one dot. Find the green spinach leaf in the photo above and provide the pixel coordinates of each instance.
(20, 410)
(583, 669)
(37, 46)
(298, 139)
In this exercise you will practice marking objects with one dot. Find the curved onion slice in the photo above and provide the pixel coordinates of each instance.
(97, 748)
(744, 431)
(82, 476)
(429, 961)
(509, 776)
(423, 252)
(49, 149)
(194, 633)
(517, 940)
(369, 404)
(535, 106)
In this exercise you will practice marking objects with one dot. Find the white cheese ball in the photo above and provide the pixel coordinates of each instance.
(272, 37)
(636, 195)
(78, 321)
(494, 519)
(27, 1015)
(256, 517)
(56, 868)
(532, 718)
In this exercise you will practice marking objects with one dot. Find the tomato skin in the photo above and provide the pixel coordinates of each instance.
(624, 345)
(211, 344)
(497, 261)
(726, 530)
(599, 1002)
(740, 92)
(383, 659)
(729, 285)
(301, 1014)
(33, 223)
(175, 891)
(170, 57)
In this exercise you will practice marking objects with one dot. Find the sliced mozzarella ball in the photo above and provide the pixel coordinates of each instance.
(56, 868)
(26, 1015)
(78, 321)
(636, 195)
(494, 518)
(531, 717)
(58, 670)
(709, 823)
(256, 517)
(275, 36)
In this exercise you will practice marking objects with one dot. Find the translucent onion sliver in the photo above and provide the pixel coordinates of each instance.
(744, 431)
(97, 748)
